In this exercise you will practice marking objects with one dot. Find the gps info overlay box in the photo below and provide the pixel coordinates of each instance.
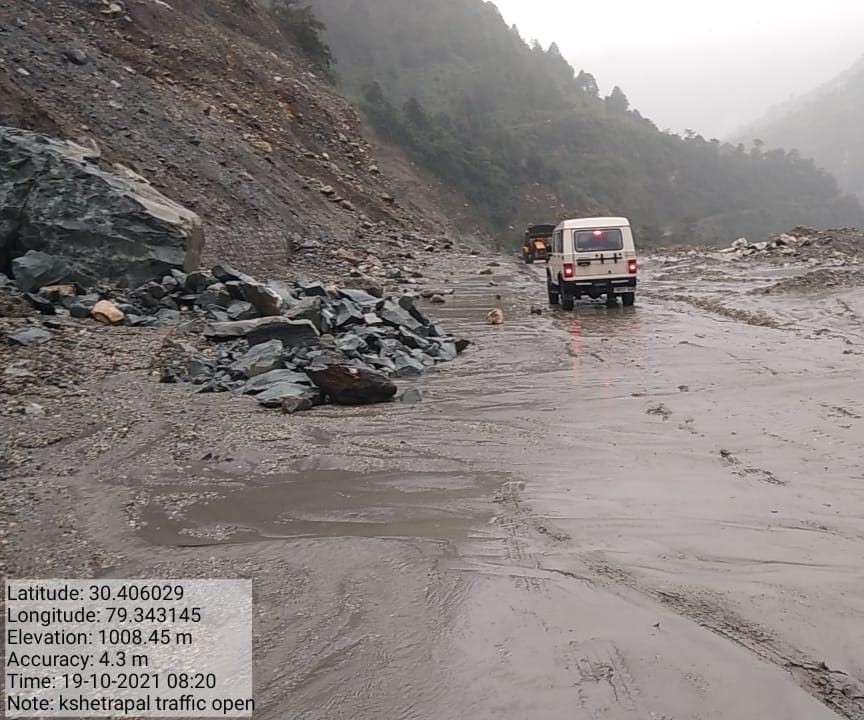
(128, 648)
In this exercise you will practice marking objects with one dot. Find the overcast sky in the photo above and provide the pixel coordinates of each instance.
(710, 70)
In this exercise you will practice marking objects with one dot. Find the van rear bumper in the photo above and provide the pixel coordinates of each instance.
(600, 286)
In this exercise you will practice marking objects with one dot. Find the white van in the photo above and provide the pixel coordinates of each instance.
(592, 257)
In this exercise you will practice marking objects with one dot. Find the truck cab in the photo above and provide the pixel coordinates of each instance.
(592, 257)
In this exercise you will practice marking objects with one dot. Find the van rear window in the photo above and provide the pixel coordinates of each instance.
(598, 240)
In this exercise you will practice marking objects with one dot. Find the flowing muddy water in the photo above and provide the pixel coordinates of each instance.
(649, 513)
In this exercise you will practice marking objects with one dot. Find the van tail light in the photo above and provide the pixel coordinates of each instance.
(632, 267)
(568, 270)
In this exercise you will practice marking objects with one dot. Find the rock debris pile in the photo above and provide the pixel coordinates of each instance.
(814, 246)
(290, 347)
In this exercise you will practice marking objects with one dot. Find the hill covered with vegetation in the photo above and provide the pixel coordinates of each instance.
(524, 138)
(824, 124)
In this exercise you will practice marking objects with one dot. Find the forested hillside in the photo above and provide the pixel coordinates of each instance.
(512, 127)
(825, 125)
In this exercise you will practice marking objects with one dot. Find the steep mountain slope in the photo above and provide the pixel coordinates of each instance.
(524, 138)
(212, 102)
(824, 124)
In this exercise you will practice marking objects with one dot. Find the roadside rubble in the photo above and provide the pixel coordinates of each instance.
(806, 244)
(290, 347)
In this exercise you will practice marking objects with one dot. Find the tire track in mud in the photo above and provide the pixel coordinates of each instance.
(518, 522)
(836, 689)
(601, 672)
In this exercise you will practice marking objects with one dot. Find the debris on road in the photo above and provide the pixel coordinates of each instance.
(495, 317)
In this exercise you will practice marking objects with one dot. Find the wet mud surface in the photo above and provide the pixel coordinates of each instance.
(653, 513)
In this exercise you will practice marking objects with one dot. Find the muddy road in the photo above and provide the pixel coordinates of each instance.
(645, 513)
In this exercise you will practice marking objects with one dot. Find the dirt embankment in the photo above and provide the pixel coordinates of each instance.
(213, 104)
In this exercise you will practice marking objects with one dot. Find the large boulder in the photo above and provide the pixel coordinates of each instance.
(346, 385)
(55, 199)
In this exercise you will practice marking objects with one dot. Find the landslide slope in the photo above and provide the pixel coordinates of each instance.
(217, 107)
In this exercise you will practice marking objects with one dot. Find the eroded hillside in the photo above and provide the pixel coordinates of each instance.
(214, 104)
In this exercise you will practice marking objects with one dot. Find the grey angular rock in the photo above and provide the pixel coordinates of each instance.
(242, 310)
(307, 308)
(30, 337)
(56, 200)
(198, 281)
(260, 359)
(235, 288)
(346, 314)
(406, 302)
(34, 269)
(288, 299)
(290, 395)
(411, 396)
(216, 295)
(40, 303)
(79, 307)
(407, 366)
(265, 300)
(293, 333)
(361, 298)
(396, 316)
(224, 273)
(274, 377)
(311, 288)
(350, 343)
(347, 385)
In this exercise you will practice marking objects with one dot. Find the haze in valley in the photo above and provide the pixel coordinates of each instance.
(707, 67)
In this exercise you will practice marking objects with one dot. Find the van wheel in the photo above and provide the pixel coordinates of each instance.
(552, 291)
(611, 300)
(628, 299)
(568, 301)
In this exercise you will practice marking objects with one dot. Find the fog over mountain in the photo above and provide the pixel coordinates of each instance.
(706, 67)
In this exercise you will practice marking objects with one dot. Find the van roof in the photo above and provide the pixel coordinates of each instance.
(597, 222)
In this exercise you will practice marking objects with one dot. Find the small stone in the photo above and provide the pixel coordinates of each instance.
(22, 72)
(76, 56)
(485, 271)
(411, 396)
(328, 191)
(495, 317)
(536, 310)
(348, 256)
(263, 146)
(34, 410)
(437, 300)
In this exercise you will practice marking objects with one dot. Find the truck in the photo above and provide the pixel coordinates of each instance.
(538, 239)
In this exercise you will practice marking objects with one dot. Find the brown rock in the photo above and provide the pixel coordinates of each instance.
(55, 293)
(495, 317)
(107, 312)
(346, 385)
(348, 256)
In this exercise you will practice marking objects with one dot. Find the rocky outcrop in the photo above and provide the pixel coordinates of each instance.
(56, 200)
